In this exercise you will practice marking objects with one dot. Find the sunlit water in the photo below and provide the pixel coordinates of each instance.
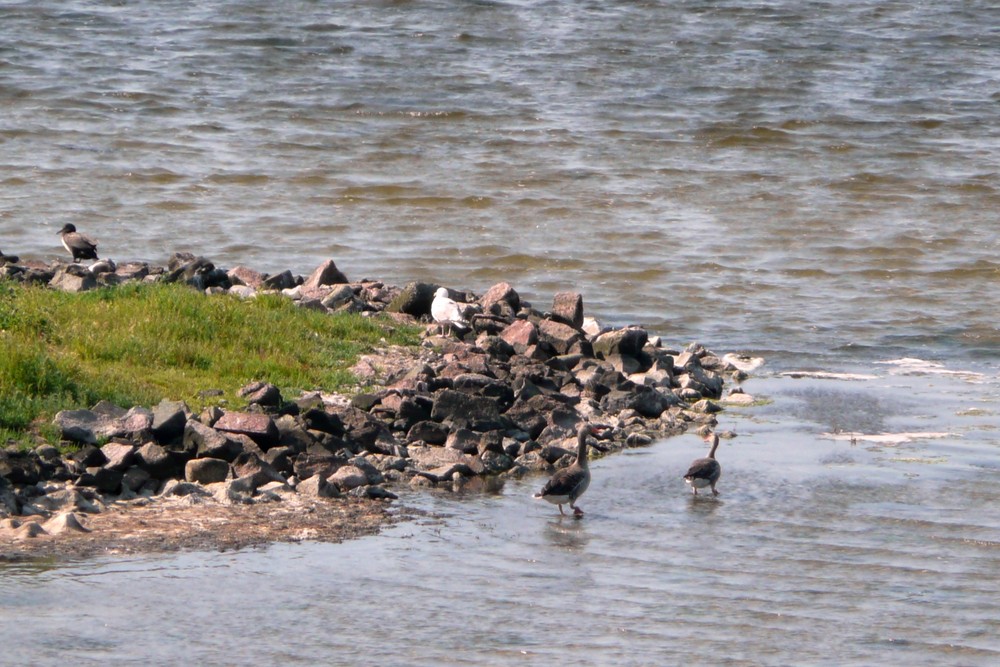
(817, 551)
(814, 183)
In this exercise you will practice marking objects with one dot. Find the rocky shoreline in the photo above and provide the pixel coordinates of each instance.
(499, 398)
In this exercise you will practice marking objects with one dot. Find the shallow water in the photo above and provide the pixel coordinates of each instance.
(817, 551)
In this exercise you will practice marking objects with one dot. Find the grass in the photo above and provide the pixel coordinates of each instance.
(139, 343)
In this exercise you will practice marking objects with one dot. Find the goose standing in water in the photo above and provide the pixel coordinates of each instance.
(448, 312)
(80, 246)
(568, 484)
(706, 471)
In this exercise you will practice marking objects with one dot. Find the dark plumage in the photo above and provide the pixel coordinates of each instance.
(569, 483)
(706, 471)
(77, 244)
(8, 259)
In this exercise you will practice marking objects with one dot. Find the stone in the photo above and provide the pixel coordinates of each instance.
(348, 477)
(156, 461)
(29, 529)
(464, 441)
(463, 410)
(317, 487)
(206, 470)
(501, 293)
(66, 522)
(89, 456)
(428, 431)
(567, 307)
(119, 455)
(338, 296)
(134, 478)
(259, 427)
(414, 299)
(326, 273)
(206, 441)
(241, 275)
(279, 281)
(169, 418)
(261, 393)
(628, 341)
(73, 278)
(260, 472)
(560, 337)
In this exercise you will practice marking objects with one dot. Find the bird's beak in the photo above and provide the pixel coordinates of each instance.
(599, 447)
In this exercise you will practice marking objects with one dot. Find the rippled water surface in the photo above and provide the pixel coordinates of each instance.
(816, 183)
(817, 551)
(789, 176)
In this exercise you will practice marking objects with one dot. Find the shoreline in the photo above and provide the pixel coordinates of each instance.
(496, 394)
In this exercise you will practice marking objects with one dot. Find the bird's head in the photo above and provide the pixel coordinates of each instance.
(68, 228)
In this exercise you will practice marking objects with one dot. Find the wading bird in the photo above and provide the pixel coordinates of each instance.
(568, 484)
(706, 471)
(77, 244)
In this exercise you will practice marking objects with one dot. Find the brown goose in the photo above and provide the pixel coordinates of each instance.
(705, 472)
(569, 483)
(80, 246)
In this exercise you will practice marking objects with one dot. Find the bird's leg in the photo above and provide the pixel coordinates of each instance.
(576, 510)
(714, 492)
(561, 511)
(694, 489)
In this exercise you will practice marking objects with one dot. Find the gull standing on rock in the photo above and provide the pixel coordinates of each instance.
(568, 484)
(447, 311)
(80, 246)
(705, 471)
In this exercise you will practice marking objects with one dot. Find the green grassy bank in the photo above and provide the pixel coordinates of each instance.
(137, 344)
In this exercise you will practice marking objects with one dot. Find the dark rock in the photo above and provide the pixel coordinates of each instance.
(647, 401)
(628, 341)
(206, 441)
(261, 393)
(155, 460)
(281, 459)
(414, 299)
(134, 478)
(279, 281)
(89, 456)
(560, 337)
(313, 463)
(365, 401)
(430, 432)
(316, 419)
(478, 413)
(260, 472)
(464, 441)
(317, 487)
(363, 429)
(107, 480)
(169, 418)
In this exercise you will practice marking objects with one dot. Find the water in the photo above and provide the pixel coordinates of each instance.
(814, 183)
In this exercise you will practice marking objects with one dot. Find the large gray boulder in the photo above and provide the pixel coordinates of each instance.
(206, 470)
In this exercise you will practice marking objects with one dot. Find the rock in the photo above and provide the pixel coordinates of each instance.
(89, 456)
(208, 442)
(261, 393)
(496, 463)
(373, 493)
(706, 406)
(501, 299)
(462, 410)
(105, 480)
(430, 432)
(338, 296)
(67, 522)
(326, 273)
(242, 275)
(567, 307)
(464, 441)
(560, 337)
(78, 425)
(317, 487)
(28, 530)
(348, 477)
(206, 470)
(414, 299)
(169, 418)
(156, 461)
(279, 281)
(259, 427)
(316, 419)
(259, 472)
(73, 278)
(628, 341)
(119, 456)
(134, 478)
(174, 487)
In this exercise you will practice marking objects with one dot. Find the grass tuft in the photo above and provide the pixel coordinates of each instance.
(139, 343)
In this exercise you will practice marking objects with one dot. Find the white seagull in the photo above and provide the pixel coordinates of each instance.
(447, 311)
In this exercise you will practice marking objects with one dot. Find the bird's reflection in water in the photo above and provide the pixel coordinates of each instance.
(567, 532)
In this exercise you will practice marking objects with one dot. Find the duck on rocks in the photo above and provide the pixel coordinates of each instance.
(705, 471)
(78, 245)
(447, 312)
(567, 485)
